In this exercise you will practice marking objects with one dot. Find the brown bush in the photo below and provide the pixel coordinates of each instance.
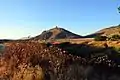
(29, 73)
(52, 62)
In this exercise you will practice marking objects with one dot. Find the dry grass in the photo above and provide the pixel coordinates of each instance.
(110, 31)
(20, 60)
(36, 61)
(29, 73)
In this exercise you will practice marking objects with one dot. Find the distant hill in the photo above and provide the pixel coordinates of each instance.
(56, 33)
(106, 32)
(5, 40)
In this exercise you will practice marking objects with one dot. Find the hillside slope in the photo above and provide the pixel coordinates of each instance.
(56, 33)
(107, 31)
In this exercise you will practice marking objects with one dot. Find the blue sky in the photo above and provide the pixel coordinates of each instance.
(21, 18)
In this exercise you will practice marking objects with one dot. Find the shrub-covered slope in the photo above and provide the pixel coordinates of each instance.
(35, 61)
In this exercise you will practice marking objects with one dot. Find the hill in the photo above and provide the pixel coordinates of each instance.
(106, 32)
(5, 40)
(56, 33)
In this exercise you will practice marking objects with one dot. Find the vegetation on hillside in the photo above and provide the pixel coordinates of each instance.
(114, 37)
(100, 38)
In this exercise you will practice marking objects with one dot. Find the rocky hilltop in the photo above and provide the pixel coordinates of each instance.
(56, 33)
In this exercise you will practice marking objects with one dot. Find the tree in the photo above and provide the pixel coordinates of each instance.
(119, 9)
(100, 38)
(116, 36)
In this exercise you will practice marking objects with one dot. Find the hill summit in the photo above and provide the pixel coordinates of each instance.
(56, 33)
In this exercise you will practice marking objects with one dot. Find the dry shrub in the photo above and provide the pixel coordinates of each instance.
(35, 61)
(16, 55)
(29, 73)
(53, 61)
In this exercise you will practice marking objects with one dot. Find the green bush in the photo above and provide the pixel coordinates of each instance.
(100, 38)
(115, 37)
